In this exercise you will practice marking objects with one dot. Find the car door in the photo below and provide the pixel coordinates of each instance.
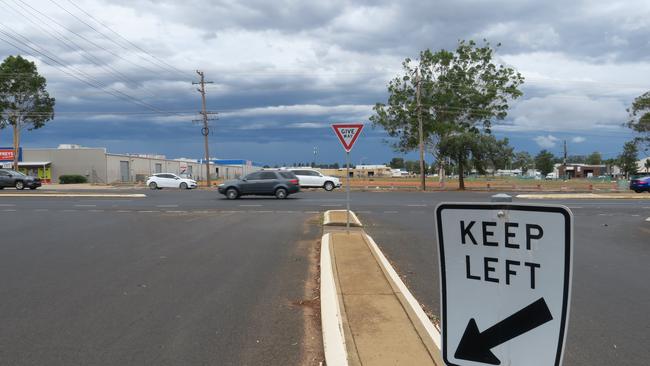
(268, 181)
(305, 178)
(5, 179)
(167, 181)
(248, 185)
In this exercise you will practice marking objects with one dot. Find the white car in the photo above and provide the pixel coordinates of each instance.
(312, 178)
(169, 180)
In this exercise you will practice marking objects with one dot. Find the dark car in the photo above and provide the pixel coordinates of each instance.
(12, 178)
(640, 184)
(278, 183)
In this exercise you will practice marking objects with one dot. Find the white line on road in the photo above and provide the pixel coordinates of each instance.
(7, 205)
(95, 210)
(648, 219)
(175, 211)
(262, 211)
(416, 205)
(68, 210)
(390, 212)
(312, 212)
(166, 205)
(250, 205)
(122, 211)
(9, 210)
(363, 212)
(85, 205)
(574, 207)
(147, 211)
(41, 209)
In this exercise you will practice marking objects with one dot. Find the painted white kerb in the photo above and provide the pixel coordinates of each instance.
(333, 336)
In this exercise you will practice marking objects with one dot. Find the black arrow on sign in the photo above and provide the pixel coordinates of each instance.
(475, 345)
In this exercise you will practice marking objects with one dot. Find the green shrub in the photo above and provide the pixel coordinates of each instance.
(72, 178)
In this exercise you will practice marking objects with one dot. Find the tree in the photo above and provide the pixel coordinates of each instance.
(496, 154)
(544, 162)
(627, 159)
(646, 165)
(594, 158)
(574, 159)
(639, 117)
(462, 92)
(396, 163)
(523, 161)
(24, 100)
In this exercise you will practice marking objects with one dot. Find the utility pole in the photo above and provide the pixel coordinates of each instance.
(421, 128)
(205, 131)
(564, 161)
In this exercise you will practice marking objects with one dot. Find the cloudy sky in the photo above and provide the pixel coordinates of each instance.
(282, 71)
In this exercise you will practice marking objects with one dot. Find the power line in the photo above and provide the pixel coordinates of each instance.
(66, 42)
(62, 67)
(162, 62)
(88, 40)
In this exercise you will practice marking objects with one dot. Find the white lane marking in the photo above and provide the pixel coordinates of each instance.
(250, 205)
(122, 211)
(41, 209)
(262, 211)
(574, 207)
(636, 215)
(85, 205)
(312, 212)
(203, 212)
(390, 212)
(9, 210)
(175, 211)
(68, 210)
(418, 205)
(648, 219)
(147, 211)
(166, 205)
(285, 211)
(363, 212)
(7, 205)
(95, 210)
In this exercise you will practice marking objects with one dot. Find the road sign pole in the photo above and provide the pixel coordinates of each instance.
(347, 191)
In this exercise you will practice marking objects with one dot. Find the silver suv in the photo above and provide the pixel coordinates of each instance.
(312, 178)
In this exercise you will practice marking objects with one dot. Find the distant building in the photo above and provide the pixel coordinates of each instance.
(572, 170)
(99, 166)
(361, 171)
(641, 168)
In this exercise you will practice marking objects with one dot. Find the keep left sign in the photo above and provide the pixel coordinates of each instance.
(505, 272)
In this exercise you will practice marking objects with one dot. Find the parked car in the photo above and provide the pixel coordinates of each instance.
(640, 184)
(312, 178)
(169, 180)
(551, 176)
(278, 183)
(12, 178)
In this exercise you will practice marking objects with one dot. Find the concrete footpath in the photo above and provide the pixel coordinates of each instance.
(369, 316)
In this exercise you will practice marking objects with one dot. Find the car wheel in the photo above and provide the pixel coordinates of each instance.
(183, 185)
(328, 186)
(232, 194)
(281, 193)
(153, 185)
(638, 191)
(20, 185)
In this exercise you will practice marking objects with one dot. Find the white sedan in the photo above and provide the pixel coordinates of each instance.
(169, 180)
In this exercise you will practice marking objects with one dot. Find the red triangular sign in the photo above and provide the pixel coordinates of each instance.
(348, 133)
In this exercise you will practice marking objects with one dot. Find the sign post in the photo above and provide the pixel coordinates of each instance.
(347, 134)
(505, 273)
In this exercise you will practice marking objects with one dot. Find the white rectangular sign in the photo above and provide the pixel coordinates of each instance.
(505, 282)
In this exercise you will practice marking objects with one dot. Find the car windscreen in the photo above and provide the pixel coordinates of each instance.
(288, 175)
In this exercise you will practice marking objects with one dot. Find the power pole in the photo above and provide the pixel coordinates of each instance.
(205, 131)
(421, 129)
(564, 161)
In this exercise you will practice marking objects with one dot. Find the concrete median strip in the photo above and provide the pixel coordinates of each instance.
(613, 196)
(75, 195)
(369, 316)
(339, 218)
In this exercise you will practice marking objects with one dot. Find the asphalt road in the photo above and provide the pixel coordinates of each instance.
(187, 277)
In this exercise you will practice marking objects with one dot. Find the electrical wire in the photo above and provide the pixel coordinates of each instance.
(161, 61)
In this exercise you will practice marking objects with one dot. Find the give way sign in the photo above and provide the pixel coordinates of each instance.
(505, 272)
(348, 134)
